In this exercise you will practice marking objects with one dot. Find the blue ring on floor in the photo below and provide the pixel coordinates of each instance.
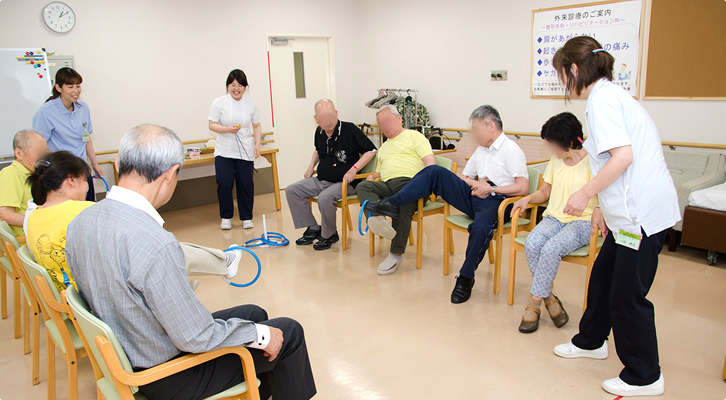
(278, 240)
(259, 267)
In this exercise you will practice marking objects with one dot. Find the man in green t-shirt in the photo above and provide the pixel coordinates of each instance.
(29, 147)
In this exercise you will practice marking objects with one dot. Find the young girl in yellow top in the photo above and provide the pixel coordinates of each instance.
(558, 234)
(59, 185)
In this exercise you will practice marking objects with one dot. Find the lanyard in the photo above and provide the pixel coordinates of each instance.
(328, 147)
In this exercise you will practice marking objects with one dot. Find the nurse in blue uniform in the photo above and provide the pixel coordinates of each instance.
(65, 122)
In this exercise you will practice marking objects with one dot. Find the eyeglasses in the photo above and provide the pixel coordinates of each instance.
(42, 163)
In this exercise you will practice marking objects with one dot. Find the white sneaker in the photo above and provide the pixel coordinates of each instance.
(381, 227)
(617, 387)
(389, 265)
(247, 224)
(569, 350)
(226, 224)
(233, 259)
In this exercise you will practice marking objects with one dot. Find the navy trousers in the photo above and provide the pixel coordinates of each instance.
(91, 194)
(440, 181)
(619, 283)
(230, 171)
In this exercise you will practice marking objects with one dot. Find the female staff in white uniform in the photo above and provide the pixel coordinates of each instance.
(65, 122)
(236, 149)
(638, 207)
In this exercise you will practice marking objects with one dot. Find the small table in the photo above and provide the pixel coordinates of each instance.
(269, 154)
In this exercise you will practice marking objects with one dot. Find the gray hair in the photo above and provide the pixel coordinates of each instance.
(149, 150)
(21, 140)
(389, 107)
(482, 112)
(321, 101)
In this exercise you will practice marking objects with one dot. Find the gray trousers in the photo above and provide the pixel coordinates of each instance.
(328, 195)
(374, 191)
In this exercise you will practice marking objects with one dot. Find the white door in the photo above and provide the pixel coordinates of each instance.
(301, 73)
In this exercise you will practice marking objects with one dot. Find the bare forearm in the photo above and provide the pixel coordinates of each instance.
(91, 153)
(9, 215)
(314, 160)
(364, 160)
(429, 160)
(257, 131)
(217, 128)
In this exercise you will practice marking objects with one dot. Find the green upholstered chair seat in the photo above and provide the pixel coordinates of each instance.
(432, 205)
(581, 252)
(350, 197)
(463, 221)
(53, 330)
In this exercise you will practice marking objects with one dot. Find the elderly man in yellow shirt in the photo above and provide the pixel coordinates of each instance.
(402, 156)
(28, 146)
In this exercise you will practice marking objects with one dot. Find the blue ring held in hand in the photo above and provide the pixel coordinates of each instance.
(259, 267)
(360, 218)
(101, 178)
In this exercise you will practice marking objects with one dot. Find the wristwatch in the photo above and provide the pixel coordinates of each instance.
(494, 192)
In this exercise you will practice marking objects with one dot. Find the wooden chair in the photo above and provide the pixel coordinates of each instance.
(59, 329)
(6, 234)
(346, 200)
(461, 223)
(585, 255)
(424, 210)
(9, 243)
(118, 381)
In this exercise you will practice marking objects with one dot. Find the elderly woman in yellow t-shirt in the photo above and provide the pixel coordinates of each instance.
(59, 185)
(558, 234)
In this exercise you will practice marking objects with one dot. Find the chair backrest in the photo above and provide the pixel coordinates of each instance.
(371, 166)
(33, 269)
(533, 179)
(7, 235)
(444, 162)
(91, 326)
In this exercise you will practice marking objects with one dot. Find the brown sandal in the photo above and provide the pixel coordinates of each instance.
(530, 326)
(561, 318)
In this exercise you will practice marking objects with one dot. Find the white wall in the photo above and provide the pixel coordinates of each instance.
(447, 50)
(164, 61)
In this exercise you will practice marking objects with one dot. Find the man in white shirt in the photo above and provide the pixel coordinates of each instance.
(131, 273)
(496, 170)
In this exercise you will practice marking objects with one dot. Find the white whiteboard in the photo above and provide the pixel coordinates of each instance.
(24, 86)
(615, 24)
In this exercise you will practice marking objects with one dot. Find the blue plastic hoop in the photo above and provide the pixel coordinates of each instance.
(360, 219)
(259, 267)
(278, 239)
(101, 178)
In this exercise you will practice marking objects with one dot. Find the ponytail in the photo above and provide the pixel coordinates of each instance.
(593, 63)
(52, 171)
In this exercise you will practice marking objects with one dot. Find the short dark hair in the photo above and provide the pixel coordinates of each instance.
(563, 129)
(236, 75)
(52, 170)
(593, 63)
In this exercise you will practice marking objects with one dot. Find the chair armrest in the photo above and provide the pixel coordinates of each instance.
(20, 239)
(515, 218)
(48, 296)
(174, 366)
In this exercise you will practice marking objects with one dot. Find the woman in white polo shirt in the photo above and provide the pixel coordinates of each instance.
(236, 149)
(639, 205)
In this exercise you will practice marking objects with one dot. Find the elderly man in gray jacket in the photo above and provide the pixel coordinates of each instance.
(131, 272)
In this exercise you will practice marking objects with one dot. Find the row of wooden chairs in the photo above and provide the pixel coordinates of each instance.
(584, 256)
(69, 322)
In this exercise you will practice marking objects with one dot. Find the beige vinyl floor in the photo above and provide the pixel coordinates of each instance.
(399, 337)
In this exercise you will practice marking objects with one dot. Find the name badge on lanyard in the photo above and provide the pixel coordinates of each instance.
(86, 135)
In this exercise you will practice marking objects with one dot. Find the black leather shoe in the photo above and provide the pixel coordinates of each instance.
(325, 243)
(308, 237)
(462, 290)
(382, 207)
